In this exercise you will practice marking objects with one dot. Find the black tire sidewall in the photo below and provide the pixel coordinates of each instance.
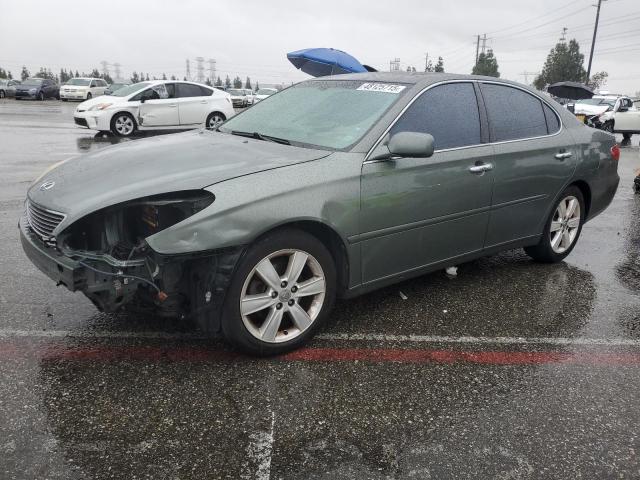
(545, 243)
(212, 114)
(113, 124)
(233, 327)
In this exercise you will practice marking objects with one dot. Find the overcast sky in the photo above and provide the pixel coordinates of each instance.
(251, 38)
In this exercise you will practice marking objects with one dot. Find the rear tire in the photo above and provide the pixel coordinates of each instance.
(65, 99)
(214, 120)
(259, 315)
(562, 230)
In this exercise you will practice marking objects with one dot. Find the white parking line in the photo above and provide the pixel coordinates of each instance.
(371, 337)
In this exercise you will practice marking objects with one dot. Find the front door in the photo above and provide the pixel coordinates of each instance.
(534, 158)
(417, 212)
(627, 117)
(161, 109)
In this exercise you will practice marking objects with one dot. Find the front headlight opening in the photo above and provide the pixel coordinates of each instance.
(121, 230)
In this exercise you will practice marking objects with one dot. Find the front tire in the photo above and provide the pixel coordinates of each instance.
(123, 124)
(563, 228)
(40, 96)
(89, 96)
(608, 126)
(281, 293)
(214, 120)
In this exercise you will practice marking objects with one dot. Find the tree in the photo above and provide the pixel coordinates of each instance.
(247, 84)
(439, 66)
(563, 64)
(147, 79)
(487, 65)
(9, 76)
(237, 82)
(598, 80)
(208, 82)
(227, 82)
(77, 74)
(257, 87)
(173, 77)
(411, 69)
(218, 82)
(134, 77)
(24, 74)
(164, 77)
(3, 73)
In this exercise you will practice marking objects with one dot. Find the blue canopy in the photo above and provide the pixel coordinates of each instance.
(319, 62)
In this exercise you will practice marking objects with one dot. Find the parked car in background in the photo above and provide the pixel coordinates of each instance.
(115, 86)
(254, 229)
(611, 113)
(156, 105)
(238, 97)
(82, 88)
(250, 96)
(37, 88)
(264, 93)
(8, 87)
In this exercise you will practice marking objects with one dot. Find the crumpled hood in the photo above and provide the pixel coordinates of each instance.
(590, 109)
(162, 164)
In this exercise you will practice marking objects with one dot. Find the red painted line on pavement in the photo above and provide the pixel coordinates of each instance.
(47, 351)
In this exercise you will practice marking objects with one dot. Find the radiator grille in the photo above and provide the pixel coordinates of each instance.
(42, 221)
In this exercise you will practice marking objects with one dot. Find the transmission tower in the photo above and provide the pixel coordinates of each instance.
(200, 70)
(212, 70)
(394, 65)
(188, 70)
(116, 66)
(105, 68)
(564, 34)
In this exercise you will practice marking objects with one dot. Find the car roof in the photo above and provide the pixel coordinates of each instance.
(415, 78)
(160, 82)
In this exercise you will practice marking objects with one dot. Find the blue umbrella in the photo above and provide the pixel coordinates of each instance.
(319, 62)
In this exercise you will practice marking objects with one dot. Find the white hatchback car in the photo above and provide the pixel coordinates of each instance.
(82, 89)
(156, 105)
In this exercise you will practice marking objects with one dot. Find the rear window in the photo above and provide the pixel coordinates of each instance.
(513, 113)
(191, 90)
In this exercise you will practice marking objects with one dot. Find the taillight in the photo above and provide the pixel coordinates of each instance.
(615, 152)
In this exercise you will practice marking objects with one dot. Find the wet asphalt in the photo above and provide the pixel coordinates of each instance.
(516, 370)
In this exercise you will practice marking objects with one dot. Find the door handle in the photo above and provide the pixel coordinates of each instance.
(485, 167)
(203, 102)
(563, 155)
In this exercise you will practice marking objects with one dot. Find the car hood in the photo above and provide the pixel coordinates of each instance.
(97, 100)
(162, 164)
(76, 87)
(590, 109)
(27, 87)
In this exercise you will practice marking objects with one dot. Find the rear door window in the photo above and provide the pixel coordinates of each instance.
(513, 113)
(188, 90)
(448, 112)
(553, 123)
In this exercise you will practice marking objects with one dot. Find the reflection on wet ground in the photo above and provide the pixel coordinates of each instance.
(512, 369)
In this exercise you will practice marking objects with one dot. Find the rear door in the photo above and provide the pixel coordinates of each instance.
(193, 101)
(534, 158)
(627, 118)
(416, 212)
(160, 108)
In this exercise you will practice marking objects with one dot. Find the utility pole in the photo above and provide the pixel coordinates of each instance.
(426, 62)
(593, 42)
(105, 68)
(564, 34)
(188, 70)
(477, 49)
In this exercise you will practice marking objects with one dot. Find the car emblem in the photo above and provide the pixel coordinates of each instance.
(47, 185)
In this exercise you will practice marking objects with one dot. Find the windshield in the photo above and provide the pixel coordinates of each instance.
(265, 91)
(32, 81)
(82, 82)
(324, 113)
(598, 101)
(233, 91)
(136, 87)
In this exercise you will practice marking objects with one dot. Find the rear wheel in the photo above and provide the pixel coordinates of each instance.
(214, 120)
(562, 229)
(123, 124)
(281, 293)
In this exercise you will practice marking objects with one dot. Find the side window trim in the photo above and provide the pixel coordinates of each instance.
(485, 131)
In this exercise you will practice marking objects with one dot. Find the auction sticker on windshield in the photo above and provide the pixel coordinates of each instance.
(381, 87)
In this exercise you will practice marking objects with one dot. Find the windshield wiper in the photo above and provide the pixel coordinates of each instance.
(259, 136)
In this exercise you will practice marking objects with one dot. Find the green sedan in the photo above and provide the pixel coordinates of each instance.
(330, 188)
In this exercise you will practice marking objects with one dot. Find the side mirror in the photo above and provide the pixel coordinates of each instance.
(411, 144)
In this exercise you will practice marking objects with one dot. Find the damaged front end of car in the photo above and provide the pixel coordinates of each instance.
(105, 255)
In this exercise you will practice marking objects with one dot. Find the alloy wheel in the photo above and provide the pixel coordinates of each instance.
(282, 296)
(124, 125)
(215, 121)
(565, 224)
